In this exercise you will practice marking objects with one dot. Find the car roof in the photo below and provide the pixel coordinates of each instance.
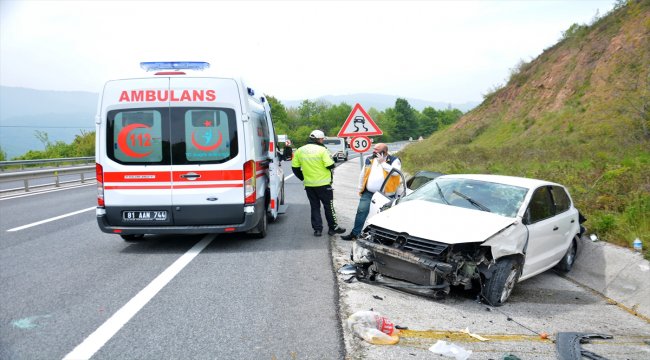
(502, 179)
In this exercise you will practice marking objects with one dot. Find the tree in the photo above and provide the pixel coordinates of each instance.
(429, 121)
(3, 154)
(405, 121)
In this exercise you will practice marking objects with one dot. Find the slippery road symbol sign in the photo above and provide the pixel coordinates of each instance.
(359, 123)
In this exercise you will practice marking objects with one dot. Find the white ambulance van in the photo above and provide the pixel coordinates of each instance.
(181, 152)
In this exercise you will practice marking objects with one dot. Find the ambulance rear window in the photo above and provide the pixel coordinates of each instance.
(136, 136)
(209, 135)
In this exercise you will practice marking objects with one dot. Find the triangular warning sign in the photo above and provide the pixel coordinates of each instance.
(359, 123)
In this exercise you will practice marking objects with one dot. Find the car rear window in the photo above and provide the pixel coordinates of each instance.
(198, 135)
(137, 136)
(204, 135)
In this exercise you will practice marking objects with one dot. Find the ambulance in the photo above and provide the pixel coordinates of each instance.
(181, 152)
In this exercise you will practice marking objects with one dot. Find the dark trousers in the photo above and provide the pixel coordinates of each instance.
(316, 196)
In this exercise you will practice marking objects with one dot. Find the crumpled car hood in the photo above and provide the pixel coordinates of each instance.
(440, 222)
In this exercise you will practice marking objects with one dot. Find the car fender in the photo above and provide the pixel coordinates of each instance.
(510, 240)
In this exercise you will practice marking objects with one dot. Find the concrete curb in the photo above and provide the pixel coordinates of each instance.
(615, 272)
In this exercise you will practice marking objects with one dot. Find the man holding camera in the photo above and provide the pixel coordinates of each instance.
(375, 169)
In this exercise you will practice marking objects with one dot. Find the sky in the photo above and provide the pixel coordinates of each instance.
(449, 51)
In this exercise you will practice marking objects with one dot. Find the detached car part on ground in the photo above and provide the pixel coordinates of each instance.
(484, 231)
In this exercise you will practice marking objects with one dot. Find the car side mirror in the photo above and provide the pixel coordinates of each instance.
(287, 153)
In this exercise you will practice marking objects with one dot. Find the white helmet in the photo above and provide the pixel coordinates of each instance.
(317, 134)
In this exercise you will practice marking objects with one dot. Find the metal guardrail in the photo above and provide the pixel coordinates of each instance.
(58, 161)
(56, 173)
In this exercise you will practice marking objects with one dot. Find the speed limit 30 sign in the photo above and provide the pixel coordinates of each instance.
(360, 144)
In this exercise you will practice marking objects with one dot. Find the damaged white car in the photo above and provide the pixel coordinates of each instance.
(485, 231)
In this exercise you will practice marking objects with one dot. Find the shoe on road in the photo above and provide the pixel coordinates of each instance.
(349, 237)
(318, 233)
(338, 230)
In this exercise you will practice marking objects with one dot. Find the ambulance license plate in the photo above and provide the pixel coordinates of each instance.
(144, 215)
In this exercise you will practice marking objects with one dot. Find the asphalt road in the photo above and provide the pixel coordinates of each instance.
(238, 298)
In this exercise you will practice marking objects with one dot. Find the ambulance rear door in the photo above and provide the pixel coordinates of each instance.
(134, 152)
(207, 152)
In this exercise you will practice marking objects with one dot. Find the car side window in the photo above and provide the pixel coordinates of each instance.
(561, 199)
(541, 205)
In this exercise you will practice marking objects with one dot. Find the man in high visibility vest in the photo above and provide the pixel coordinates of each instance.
(313, 165)
(375, 169)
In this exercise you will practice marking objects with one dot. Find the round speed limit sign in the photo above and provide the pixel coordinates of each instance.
(360, 144)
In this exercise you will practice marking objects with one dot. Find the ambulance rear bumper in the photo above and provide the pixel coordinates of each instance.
(251, 219)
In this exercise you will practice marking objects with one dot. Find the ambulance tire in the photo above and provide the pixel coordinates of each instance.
(260, 230)
(132, 238)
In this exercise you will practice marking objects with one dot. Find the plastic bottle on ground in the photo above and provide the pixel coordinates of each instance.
(637, 244)
(374, 328)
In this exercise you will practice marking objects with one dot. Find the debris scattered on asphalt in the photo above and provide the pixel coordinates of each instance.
(510, 357)
(374, 328)
(350, 279)
(475, 336)
(400, 327)
(569, 345)
(378, 297)
(348, 269)
(450, 350)
(543, 335)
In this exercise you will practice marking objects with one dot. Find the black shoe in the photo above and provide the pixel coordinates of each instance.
(318, 233)
(338, 230)
(349, 237)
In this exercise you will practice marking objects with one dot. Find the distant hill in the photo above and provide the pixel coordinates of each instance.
(578, 114)
(382, 102)
(61, 114)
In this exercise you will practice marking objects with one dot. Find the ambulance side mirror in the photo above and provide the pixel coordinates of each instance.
(287, 153)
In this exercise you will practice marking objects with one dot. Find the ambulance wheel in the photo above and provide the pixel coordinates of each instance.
(260, 229)
(132, 238)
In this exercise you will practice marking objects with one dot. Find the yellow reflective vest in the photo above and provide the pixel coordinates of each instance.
(313, 160)
(391, 184)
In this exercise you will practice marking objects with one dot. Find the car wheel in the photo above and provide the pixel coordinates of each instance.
(260, 229)
(499, 286)
(132, 238)
(569, 258)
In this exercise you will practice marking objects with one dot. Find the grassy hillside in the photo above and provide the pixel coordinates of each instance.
(579, 114)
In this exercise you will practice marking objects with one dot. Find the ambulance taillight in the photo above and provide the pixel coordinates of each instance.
(99, 175)
(250, 193)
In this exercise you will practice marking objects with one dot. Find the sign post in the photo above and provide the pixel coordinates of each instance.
(359, 126)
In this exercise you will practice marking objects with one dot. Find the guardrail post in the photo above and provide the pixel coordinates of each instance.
(56, 177)
(26, 182)
(82, 178)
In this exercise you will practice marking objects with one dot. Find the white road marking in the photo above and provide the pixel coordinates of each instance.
(105, 332)
(51, 219)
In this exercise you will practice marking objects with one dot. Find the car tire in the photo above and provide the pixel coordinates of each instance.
(499, 286)
(260, 229)
(132, 238)
(569, 258)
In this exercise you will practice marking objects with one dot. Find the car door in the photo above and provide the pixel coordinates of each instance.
(546, 233)
(379, 198)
